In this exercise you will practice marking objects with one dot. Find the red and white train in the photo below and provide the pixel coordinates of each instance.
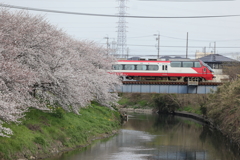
(185, 70)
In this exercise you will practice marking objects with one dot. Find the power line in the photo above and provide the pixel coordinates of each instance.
(180, 46)
(107, 15)
(199, 39)
(226, 40)
(187, 0)
(172, 55)
(141, 36)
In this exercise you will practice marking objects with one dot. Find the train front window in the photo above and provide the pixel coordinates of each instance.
(141, 67)
(197, 64)
(153, 67)
(211, 70)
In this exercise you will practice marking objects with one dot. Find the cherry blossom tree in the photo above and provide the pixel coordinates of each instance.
(14, 92)
(41, 63)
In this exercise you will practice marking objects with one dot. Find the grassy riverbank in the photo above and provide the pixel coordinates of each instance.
(163, 102)
(223, 108)
(43, 133)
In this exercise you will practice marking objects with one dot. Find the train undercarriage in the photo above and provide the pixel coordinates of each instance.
(158, 78)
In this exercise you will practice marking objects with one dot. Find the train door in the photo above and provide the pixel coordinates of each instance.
(164, 69)
(204, 72)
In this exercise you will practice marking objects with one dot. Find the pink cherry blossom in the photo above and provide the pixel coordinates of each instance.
(40, 64)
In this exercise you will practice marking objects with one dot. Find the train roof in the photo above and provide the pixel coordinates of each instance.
(190, 60)
(157, 61)
(142, 61)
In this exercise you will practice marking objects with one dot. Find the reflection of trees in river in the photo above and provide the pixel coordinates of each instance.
(189, 137)
(220, 143)
(180, 155)
(180, 140)
(193, 136)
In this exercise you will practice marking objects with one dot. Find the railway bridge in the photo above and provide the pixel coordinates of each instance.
(168, 87)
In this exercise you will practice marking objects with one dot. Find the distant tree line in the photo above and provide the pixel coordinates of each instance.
(232, 69)
(41, 65)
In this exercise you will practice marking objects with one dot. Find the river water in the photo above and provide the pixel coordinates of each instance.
(158, 137)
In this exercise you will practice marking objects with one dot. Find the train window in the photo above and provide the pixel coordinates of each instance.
(129, 67)
(197, 64)
(153, 67)
(187, 64)
(176, 64)
(117, 67)
(141, 67)
(114, 67)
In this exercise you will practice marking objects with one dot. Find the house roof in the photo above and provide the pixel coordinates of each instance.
(216, 58)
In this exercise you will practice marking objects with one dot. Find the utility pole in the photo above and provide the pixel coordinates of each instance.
(114, 48)
(187, 46)
(214, 47)
(127, 52)
(107, 43)
(158, 47)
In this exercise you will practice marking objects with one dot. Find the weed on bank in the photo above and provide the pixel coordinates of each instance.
(42, 133)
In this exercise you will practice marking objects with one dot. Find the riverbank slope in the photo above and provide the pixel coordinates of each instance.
(42, 134)
(224, 108)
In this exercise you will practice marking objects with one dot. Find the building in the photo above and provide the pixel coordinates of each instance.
(202, 54)
(216, 62)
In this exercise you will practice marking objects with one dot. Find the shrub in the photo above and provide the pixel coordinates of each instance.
(166, 103)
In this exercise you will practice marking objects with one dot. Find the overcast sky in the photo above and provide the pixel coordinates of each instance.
(202, 32)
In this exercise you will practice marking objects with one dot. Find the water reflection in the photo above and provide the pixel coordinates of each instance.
(153, 137)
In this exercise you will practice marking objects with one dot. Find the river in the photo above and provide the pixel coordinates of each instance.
(158, 137)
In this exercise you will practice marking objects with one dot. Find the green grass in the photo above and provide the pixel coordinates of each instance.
(191, 109)
(136, 100)
(143, 103)
(123, 101)
(40, 131)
